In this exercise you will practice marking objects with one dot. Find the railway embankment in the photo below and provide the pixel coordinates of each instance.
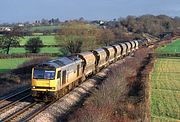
(124, 96)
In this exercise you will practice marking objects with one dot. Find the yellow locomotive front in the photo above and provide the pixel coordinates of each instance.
(52, 79)
(44, 82)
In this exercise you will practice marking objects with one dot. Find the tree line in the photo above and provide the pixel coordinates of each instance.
(153, 25)
(80, 35)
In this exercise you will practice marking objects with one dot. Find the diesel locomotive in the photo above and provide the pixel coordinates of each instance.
(53, 79)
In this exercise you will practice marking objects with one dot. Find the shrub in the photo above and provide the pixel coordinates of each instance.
(33, 45)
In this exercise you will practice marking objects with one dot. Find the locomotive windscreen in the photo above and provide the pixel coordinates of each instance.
(43, 74)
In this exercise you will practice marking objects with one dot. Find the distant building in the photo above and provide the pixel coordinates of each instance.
(101, 22)
(21, 25)
(5, 29)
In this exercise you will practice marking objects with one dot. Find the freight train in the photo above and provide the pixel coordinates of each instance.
(54, 78)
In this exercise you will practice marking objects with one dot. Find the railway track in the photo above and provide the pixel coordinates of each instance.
(20, 106)
(10, 100)
(27, 112)
(2, 99)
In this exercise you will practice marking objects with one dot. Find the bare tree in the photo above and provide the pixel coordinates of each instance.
(76, 36)
(11, 39)
(106, 36)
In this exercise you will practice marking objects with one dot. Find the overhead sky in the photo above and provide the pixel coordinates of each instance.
(31, 10)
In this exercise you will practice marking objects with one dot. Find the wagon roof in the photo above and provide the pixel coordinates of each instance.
(99, 50)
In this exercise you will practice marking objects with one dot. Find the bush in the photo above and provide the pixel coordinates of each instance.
(33, 45)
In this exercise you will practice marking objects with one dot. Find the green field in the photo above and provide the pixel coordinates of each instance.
(165, 87)
(47, 40)
(173, 47)
(43, 50)
(165, 99)
(43, 28)
(8, 64)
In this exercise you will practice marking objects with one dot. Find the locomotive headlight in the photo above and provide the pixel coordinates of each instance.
(33, 87)
(53, 88)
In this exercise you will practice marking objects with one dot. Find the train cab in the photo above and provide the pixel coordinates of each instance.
(50, 77)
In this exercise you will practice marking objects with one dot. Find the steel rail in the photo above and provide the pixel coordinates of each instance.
(13, 95)
(13, 115)
(36, 112)
(13, 103)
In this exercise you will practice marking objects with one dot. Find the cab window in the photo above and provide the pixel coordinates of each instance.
(59, 74)
(43, 74)
(49, 75)
(38, 74)
(64, 77)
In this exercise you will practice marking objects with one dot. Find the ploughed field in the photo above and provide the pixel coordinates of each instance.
(165, 87)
